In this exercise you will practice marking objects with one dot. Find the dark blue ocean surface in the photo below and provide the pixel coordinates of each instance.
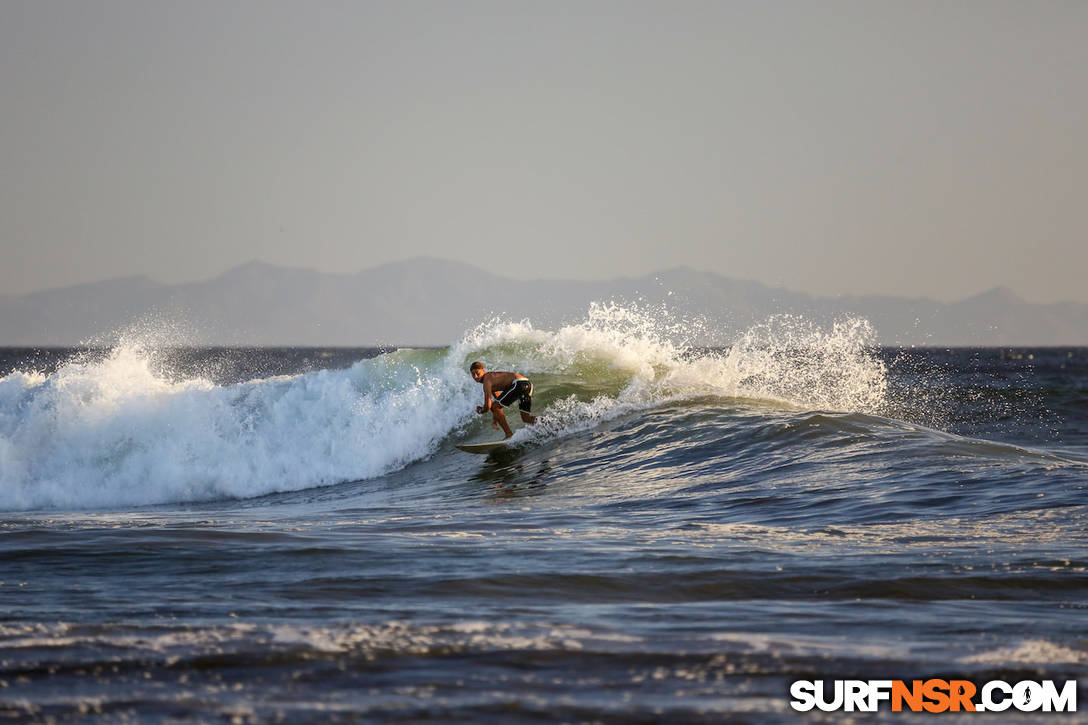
(290, 535)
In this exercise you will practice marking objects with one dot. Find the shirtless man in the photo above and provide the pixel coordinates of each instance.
(503, 388)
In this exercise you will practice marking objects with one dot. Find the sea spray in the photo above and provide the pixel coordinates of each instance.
(642, 357)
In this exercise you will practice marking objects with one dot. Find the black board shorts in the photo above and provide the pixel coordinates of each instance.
(521, 391)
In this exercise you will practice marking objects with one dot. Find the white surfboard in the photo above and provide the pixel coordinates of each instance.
(481, 447)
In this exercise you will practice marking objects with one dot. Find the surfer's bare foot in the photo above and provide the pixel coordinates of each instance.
(494, 425)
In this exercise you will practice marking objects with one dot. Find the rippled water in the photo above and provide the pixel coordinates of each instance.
(262, 535)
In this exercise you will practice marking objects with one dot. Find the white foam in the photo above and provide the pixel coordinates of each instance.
(366, 639)
(1031, 651)
(110, 433)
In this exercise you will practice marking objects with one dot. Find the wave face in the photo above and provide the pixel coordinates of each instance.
(126, 430)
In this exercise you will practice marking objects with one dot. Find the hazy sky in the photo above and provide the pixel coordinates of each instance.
(908, 148)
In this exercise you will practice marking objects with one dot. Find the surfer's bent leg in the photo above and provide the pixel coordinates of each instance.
(521, 391)
(525, 403)
(500, 418)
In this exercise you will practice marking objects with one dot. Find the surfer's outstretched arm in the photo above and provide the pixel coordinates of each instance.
(487, 394)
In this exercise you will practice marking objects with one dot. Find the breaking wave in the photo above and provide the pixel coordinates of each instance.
(118, 431)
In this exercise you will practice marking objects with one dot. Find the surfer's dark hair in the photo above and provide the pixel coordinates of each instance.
(476, 366)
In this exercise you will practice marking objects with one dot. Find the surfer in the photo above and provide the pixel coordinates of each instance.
(501, 389)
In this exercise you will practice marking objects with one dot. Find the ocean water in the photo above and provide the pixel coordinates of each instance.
(286, 535)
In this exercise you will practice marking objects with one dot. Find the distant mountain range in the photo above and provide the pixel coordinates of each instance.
(432, 302)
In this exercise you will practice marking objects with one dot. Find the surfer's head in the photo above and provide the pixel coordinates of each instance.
(476, 370)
